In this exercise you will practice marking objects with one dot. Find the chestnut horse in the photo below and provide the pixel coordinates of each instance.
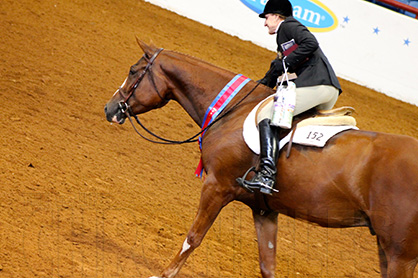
(360, 178)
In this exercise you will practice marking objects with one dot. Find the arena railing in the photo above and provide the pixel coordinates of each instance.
(401, 6)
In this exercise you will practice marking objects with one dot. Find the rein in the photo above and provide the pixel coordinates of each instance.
(192, 138)
(126, 109)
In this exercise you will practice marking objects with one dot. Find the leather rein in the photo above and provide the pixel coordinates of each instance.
(126, 109)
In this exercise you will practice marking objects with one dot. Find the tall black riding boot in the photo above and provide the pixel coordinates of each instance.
(265, 178)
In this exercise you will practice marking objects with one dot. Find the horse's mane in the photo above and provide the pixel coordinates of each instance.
(192, 58)
(198, 60)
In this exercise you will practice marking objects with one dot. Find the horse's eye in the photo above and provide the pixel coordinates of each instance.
(132, 71)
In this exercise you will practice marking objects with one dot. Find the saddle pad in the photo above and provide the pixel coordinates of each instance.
(310, 135)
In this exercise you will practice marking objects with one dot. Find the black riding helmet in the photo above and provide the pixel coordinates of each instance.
(282, 7)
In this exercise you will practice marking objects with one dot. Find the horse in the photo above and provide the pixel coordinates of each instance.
(359, 179)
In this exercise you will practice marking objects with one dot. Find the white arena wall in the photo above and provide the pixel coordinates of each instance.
(365, 43)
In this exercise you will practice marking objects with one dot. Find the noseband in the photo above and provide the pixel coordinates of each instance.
(123, 105)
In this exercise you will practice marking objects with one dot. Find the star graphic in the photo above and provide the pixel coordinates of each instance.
(376, 30)
(406, 42)
(346, 19)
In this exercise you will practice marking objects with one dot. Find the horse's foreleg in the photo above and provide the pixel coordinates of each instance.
(211, 202)
(266, 228)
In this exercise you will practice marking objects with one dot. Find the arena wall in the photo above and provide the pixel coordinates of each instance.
(366, 44)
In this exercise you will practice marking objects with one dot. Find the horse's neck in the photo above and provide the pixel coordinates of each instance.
(197, 84)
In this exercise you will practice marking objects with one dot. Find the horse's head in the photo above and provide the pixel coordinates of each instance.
(144, 89)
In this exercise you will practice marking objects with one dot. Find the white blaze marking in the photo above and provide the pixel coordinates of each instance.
(123, 84)
(186, 246)
(271, 246)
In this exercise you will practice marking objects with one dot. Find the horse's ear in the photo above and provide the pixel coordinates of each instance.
(147, 49)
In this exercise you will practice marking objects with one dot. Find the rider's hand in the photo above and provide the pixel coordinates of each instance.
(276, 69)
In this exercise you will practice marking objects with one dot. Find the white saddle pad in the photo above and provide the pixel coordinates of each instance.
(311, 135)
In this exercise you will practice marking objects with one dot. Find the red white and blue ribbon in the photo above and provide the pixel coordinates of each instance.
(217, 105)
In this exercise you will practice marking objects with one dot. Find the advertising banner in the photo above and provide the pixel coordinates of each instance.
(365, 43)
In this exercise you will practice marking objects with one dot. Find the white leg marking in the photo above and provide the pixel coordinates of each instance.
(186, 246)
(271, 246)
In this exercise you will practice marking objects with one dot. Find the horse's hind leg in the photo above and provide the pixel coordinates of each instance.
(401, 268)
(397, 259)
(266, 227)
(382, 260)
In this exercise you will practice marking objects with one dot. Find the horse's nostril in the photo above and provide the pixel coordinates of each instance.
(105, 109)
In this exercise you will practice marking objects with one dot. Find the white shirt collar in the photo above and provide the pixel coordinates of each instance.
(278, 26)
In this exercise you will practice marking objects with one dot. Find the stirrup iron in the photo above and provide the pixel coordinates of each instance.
(243, 182)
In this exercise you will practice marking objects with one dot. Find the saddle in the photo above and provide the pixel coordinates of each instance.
(335, 120)
(334, 117)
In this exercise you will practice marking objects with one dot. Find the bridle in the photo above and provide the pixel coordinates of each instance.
(126, 109)
(123, 105)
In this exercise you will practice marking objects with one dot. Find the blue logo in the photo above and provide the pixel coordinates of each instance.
(311, 13)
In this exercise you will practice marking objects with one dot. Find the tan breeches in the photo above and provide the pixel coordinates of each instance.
(322, 97)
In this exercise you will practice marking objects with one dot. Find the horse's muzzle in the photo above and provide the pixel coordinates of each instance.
(115, 113)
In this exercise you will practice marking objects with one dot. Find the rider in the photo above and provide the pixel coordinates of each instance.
(316, 83)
